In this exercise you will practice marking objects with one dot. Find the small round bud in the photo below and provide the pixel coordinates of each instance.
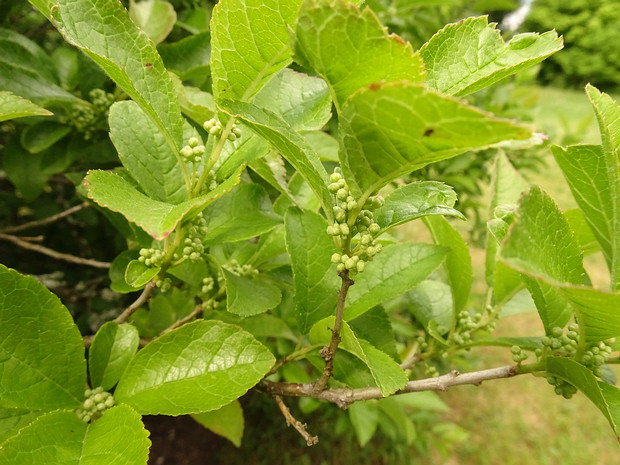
(333, 188)
(344, 229)
(340, 267)
(336, 258)
(342, 194)
(335, 177)
(192, 142)
(374, 229)
(360, 266)
(350, 264)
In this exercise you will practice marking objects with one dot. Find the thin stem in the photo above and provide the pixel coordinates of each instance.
(180, 322)
(215, 154)
(44, 221)
(343, 397)
(328, 352)
(52, 253)
(291, 421)
(296, 355)
(146, 293)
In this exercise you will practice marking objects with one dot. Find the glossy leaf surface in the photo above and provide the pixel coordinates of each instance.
(198, 367)
(470, 55)
(41, 349)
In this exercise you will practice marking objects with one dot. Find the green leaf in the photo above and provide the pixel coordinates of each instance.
(61, 437)
(398, 268)
(375, 327)
(42, 136)
(226, 421)
(605, 397)
(583, 232)
(395, 422)
(41, 349)
(431, 301)
(112, 348)
(246, 149)
(13, 106)
(470, 55)
(315, 277)
(414, 201)
(28, 71)
(117, 271)
(44, 6)
(364, 417)
(350, 48)
(393, 129)
(244, 213)
(260, 326)
(250, 42)
(302, 101)
(608, 115)
(597, 311)
(289, 143)
(323, 144)
(198, 367)
(138, 274)
(14, 419)
(507, 186)
(105, 33)
(388, 376)
(157, 218)
(189, 57)
(155, 17)
(541, 245)
(458, 261)
(144, 152)
(596, 188)
(247, 296)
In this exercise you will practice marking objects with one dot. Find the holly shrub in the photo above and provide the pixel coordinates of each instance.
(260, 251)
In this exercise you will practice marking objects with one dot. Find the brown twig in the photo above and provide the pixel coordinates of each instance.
(343, 397)
(291, 421)
(146, 293)
(44, 221)
(328, 352)
(52, 253)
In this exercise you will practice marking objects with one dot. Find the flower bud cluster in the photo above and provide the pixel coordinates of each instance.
(152, 256)
(198, 226)
(214, 127)
(101, 99)
(210, 304)
(87, 117)
(364, 225)
(208, 284)
(468, 323)
(193, 151)
(562, 344)
(164, 284)
(595, 357)
(211, 181)
(96, 403)
(562, 388)
(430, 371)
(518, 355)
(240, 270)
